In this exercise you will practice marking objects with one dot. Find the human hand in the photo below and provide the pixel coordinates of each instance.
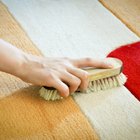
(63, 74)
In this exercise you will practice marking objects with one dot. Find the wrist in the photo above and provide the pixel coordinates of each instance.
(17, 67)
(26, 65)
(12, 58)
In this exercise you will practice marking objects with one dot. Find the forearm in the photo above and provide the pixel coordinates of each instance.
(11, 58)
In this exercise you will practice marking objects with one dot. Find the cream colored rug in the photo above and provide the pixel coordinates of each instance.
(80, 28)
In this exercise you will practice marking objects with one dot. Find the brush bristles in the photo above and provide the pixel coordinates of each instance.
(106, 83)
(48, 94)
(94, 86)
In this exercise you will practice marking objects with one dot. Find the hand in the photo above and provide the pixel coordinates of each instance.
(64, 74)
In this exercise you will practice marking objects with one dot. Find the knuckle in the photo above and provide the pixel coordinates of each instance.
(49, 76)
(65, 89)
(49, 79)
(88, 59)
(101, 64)
(64, 65)
(65, 58)
(84, 81)
(76, 82)
(85, 75)
(75, 85)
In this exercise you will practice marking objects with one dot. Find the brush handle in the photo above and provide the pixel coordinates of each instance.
(95, 73)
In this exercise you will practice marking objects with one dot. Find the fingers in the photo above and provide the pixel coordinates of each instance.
(71, 80)
(67, 76)
(89, 62)
(82, 75)
(62, 88)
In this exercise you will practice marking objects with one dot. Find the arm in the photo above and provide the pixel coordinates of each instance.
(11, 58)
(44, 71)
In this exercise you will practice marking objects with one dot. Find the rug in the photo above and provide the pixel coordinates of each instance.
(23, 114)
(130, 55)
(77, 29)
(128, 11)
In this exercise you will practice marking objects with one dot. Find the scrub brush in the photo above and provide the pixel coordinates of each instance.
(99, 79)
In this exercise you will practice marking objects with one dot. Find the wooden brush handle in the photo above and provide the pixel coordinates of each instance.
(98, 73)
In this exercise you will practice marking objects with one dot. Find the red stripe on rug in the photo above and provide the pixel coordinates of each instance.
(130, 56)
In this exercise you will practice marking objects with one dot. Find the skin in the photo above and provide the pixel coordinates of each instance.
(64, 74)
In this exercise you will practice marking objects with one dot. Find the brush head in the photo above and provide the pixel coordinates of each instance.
(100, 79)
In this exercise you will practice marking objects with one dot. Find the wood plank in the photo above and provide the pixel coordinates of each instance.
(128, 11)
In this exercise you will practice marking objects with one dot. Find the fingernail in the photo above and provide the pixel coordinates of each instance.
(109, 64)
(65, 94)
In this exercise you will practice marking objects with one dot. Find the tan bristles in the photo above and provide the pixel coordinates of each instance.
(94, 86)
(48, 94)
(106, 83)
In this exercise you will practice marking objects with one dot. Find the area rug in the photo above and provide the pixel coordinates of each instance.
(77, 29)
(130, 55)
(23, 115)
(128, 11)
